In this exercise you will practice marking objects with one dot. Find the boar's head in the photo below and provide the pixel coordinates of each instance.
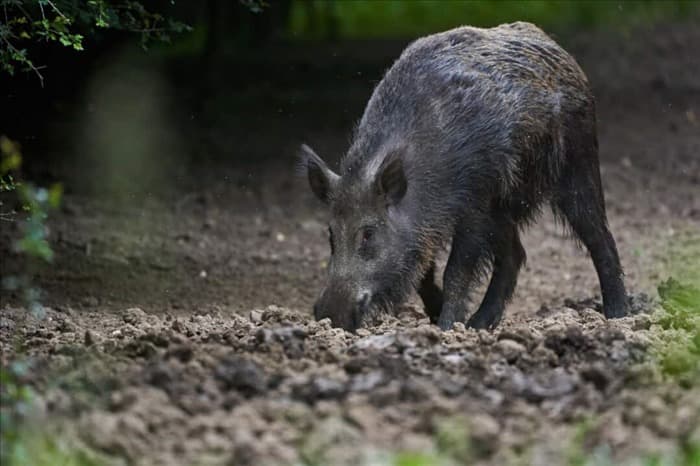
(376, 253)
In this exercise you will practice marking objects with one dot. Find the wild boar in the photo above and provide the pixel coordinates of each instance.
(467, 136)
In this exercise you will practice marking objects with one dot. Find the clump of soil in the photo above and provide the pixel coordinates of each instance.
(276, 387)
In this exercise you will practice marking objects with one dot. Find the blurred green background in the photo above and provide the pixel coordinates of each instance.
(404, 18)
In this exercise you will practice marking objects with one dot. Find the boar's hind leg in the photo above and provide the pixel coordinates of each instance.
(579, 199)
(470, 249)
(509, 256)
(431, 294)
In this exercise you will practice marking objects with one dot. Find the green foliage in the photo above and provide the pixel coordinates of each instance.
(14, 402)
(400, 18)
(681, 303)
(452, 439)
(39, 449)
(18, 444)
(678, 349)
(688, 454)
(25, 23)
(575, 453)
(37, 202)
(680, 355)
(34, 204)
(452, 446)
(10, 160)
(417, 459)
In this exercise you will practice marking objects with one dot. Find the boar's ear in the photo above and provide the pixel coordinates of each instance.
(321, 178)
(391, 178)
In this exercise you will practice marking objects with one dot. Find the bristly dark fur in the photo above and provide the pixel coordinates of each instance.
(490, 124)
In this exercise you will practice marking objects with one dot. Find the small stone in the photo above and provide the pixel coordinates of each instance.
(453, 358)
(88, 339)
(64, 326)
(642, 322)
(122, 400)
(182, 353)
(655, 406)
(325, 323)
(255, 316)
(484, 434)
(510, 349)
(329, 442)
(320, 388)
(6, 323)
(160, 375)
(375, 342)
(368, 381)
(459, 327)
(633, 415)
(363, 416)
(140, 349)
(550, 384)
(134, 316)
(522, 336)
(243, 375)
(597, 374)
(544, 355)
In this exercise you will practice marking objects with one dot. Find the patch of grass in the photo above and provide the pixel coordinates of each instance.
(679, 352)
(575, 453)
(418, 459)
(688, 455)
(29, 205)
(452, 439)
(24, 441)
(15, 400)
(681, 301)
(41, 449)
(679, 348)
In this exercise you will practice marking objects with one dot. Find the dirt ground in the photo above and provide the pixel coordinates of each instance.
(178, 327)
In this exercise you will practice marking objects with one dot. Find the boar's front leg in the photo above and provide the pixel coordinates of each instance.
(509, 256)
(467, 258)
(431, 294)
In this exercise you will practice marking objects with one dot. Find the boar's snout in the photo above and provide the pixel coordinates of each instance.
(345, 309)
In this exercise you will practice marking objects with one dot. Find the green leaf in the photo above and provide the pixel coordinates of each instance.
(36, 247)
(8, 146)
(11, 162)
(55, 195)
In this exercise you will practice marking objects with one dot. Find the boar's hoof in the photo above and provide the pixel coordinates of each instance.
(445, 322)
(615, 312)
(483, 319)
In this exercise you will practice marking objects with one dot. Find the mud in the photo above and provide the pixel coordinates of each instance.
(274, 387)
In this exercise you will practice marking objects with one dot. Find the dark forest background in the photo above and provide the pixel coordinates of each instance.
(247, 82)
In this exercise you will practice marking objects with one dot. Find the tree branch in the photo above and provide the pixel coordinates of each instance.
(26, 61)
(56, 9)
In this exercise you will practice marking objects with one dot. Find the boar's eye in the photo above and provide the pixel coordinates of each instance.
(331, 240)
(367, 235)
(365, 238)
